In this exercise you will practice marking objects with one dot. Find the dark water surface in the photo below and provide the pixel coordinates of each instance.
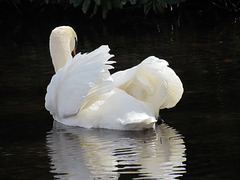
(201, 137)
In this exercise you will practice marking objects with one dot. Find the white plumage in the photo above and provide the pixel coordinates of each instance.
(83, 93)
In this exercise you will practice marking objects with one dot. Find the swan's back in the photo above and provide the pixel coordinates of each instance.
(151, 81)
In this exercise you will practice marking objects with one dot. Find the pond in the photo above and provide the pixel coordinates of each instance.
(199, 138)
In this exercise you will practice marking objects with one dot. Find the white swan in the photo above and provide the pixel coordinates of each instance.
(83, 93)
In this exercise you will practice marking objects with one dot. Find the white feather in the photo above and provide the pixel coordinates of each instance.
(83, 93)
(151, 81)
(74, 85)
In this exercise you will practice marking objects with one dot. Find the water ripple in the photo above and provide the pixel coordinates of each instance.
(78, 153)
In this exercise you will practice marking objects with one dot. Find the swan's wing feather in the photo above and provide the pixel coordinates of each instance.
(151, 81)
(115, 110)
(74, 86)
(124, 78)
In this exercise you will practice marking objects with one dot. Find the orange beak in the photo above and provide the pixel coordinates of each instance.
(74, 51)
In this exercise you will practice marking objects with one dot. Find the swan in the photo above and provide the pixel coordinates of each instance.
(82, 92)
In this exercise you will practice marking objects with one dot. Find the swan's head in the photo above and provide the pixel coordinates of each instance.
(63, 44)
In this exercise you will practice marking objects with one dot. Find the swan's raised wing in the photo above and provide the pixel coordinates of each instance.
(151, 81)
(83, 78)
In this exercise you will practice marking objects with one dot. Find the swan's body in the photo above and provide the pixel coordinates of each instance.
(83, 93)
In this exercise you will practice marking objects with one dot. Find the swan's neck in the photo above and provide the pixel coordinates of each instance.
(60, 52)
(62, 43)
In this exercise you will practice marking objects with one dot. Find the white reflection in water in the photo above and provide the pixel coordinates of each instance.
(78, 153)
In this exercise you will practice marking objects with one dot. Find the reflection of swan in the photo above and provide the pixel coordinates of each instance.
(82, 92)
(78, 153)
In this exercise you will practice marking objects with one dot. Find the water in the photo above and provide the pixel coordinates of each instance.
(199, 139)
(107, 154)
